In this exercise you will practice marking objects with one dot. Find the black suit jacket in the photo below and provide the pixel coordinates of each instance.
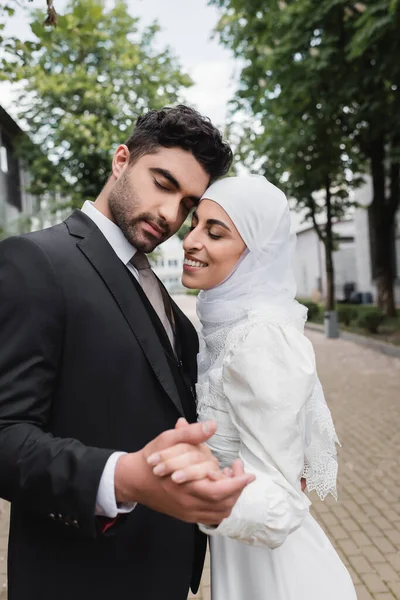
(85, 370)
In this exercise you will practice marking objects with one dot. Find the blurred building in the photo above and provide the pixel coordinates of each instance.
(309, 261)
(365, 263)
(353, 262)
(169, 264)
(15, 202)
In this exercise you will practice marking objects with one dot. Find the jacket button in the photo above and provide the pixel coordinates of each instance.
(52, 516)
(75, 524)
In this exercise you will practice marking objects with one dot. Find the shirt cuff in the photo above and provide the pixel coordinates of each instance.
(106, 504)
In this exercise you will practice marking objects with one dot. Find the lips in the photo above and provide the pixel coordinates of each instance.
(154, 229)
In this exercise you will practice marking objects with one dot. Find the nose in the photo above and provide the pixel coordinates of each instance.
(170, 212)
(192, 241)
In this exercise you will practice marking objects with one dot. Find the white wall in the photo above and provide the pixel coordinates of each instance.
(363, 197)
(309, 262)
(170, 264)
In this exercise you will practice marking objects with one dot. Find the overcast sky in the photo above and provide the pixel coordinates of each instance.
(187, 27)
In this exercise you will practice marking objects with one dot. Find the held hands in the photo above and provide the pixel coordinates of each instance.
(185, 462)
(189, 463)
(199, 498)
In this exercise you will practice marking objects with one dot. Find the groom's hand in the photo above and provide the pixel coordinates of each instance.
(205, 501)
(184, 462)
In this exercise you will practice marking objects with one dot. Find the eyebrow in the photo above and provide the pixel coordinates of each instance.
(212, 221)
(168, 175)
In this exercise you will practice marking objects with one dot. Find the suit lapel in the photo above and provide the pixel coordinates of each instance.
(98, 251)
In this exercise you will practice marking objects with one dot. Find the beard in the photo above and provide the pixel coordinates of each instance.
(124, 204)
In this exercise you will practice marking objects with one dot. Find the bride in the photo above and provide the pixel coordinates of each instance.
(258, 381)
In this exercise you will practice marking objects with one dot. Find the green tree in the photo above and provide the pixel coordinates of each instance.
(83, 85)
(375, 110)
(320, 76)
(302, 142)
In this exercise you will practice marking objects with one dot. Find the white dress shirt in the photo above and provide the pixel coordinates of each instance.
(106, 504)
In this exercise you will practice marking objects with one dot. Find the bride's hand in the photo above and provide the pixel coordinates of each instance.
(236, 470)
(184, 462)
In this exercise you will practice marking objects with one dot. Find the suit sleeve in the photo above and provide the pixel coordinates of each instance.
(267, 382)
(56, 478)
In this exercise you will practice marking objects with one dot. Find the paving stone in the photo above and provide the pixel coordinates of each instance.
(374, 583)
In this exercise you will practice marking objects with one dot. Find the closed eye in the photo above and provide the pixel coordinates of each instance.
(213, 236)
(160, 186)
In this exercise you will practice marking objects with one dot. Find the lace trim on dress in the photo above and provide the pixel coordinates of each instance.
(320, 465)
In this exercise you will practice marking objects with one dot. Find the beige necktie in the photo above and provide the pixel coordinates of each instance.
(152, 289)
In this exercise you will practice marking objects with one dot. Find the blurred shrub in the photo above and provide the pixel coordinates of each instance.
(347, 314)
(371, 320)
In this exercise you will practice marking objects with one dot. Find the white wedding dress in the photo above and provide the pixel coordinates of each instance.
(258, 381)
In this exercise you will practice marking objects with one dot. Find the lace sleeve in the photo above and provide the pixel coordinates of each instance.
(320, 464)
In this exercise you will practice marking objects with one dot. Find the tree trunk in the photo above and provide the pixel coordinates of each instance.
(328, 241)
(382, 232)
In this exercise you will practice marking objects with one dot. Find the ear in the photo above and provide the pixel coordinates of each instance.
(120, 160)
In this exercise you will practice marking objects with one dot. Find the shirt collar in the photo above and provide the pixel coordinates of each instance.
(114, 236)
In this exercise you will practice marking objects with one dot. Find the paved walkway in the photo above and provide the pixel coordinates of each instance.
(363, 391)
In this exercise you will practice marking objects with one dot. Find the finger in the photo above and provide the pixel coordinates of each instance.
(228, 472)
(164, 455)
(194, 472)
(195, 433)
(181, 423)
(183, 461)
(217, 491)
(216, 475)
(238, 468)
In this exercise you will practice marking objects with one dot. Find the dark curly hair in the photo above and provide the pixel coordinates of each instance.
(185, 128)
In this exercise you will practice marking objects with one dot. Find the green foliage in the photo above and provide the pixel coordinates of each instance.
(346, 313)
(192, 292)
(317, 79)
(185, 228)
(371, 320)
(301, 141)
(84, 83)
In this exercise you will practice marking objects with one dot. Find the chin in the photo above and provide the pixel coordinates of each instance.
(190, 285)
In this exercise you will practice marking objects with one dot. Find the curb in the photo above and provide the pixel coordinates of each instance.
(378, 346)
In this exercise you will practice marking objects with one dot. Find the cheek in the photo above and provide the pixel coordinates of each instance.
(224, 260)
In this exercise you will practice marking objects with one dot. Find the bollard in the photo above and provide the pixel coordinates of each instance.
(331, 325)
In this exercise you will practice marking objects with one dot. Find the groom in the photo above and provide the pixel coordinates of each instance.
(96, 363)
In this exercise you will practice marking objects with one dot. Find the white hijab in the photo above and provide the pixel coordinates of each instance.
(264, 274)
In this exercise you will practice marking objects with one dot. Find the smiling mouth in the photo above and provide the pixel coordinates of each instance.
(194, 263)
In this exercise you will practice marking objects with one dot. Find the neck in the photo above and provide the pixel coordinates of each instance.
(101, 202)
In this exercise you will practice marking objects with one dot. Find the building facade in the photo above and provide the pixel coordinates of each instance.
(352, 258)
(15, 202)
(365, 278)
(169, 265)
(309, 262)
